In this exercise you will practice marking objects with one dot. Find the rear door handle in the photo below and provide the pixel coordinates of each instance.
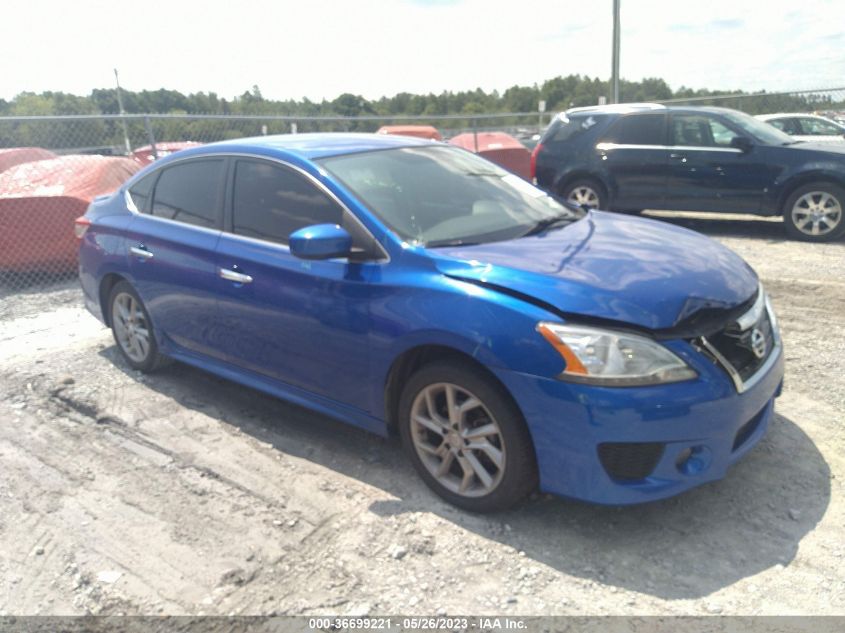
(141, 251)
(674, 155)
(232, 275)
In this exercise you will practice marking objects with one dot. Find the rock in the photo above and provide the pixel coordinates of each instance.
(511, 600)
(714, 609)
(68, 380)
(39, 551)
(109, 576)
(398, 552)
(361, 609)
(794, 514)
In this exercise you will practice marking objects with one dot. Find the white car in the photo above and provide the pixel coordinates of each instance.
(806, 127)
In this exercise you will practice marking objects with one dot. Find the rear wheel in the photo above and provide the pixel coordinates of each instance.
(466, 439)
(585, 193)
(814, 212)
(133, 329)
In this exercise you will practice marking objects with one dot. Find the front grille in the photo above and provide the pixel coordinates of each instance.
(737, 347)
(629, 461)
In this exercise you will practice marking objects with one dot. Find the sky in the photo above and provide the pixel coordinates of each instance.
(320, 48)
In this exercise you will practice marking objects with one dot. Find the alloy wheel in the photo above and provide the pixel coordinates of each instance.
(583, 195)
(130, 326)
(457, 439)
(816, 213)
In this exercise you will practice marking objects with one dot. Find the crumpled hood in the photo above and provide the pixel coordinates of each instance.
(637, 271)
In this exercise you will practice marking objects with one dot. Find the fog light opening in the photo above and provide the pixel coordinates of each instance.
(693, 460)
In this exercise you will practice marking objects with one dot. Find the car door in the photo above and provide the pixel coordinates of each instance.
(305, 323)
(706, 173)
(633, 155)
(171, 244)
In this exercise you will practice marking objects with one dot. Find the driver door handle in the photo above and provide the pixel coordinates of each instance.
(232, 275)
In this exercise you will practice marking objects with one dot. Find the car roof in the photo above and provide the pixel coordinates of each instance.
(627, 108)
(312, 146)
(780, 115)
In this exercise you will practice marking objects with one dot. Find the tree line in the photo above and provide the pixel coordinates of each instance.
(559, 94)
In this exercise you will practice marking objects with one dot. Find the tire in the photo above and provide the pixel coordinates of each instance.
(585, 192)
(815, 212)
(129, 321)
(450, 460)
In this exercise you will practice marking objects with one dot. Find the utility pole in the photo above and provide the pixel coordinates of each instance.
(122, 114)
(614, 73)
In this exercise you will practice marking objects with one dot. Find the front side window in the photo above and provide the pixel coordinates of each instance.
(699, 130)
(819, 127)
(638, 129)
(440, 196)
(189, 192)
(270, 202)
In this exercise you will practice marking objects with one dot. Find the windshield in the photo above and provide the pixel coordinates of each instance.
(439, 195)
(760, 130)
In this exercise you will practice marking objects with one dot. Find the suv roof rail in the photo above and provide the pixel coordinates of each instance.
(618, 107)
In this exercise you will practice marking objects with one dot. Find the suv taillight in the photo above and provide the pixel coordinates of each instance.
(80, 225)
(536, 151)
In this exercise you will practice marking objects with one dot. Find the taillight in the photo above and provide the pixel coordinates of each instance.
(536, 151)
(80, 225)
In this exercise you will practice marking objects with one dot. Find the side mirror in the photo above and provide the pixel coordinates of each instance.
(742, 143)
(320, 241)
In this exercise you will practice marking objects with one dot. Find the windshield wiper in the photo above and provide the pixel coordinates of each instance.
(547, 223)
(452, 242)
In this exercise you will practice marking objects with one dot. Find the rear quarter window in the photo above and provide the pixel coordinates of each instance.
(565, 129)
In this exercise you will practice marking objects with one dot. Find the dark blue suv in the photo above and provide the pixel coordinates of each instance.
(636, 156)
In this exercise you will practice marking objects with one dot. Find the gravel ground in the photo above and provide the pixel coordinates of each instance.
(180, 493)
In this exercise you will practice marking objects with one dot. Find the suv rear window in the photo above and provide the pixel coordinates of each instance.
(638, 129)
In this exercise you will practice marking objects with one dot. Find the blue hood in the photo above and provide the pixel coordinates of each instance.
(636, 271)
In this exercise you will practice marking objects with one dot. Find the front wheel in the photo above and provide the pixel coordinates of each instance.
(466, 439)
(814, 212)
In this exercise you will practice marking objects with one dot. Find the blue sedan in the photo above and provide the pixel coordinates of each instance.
(406, 286)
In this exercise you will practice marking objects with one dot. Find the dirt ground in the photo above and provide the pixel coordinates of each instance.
(180, 493)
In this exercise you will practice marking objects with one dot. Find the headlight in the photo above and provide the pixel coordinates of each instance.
(605, 357)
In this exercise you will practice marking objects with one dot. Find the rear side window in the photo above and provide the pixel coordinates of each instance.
(188, 192)
(638, 129)
(270, 202)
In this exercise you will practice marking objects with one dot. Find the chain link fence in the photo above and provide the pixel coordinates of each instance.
(829, 102)
(51, 167)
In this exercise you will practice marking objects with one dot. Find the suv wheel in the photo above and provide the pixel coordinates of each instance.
(466, 439)
(814, 212)
(585, 193)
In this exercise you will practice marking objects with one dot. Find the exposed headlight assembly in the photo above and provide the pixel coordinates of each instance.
(610, 358)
